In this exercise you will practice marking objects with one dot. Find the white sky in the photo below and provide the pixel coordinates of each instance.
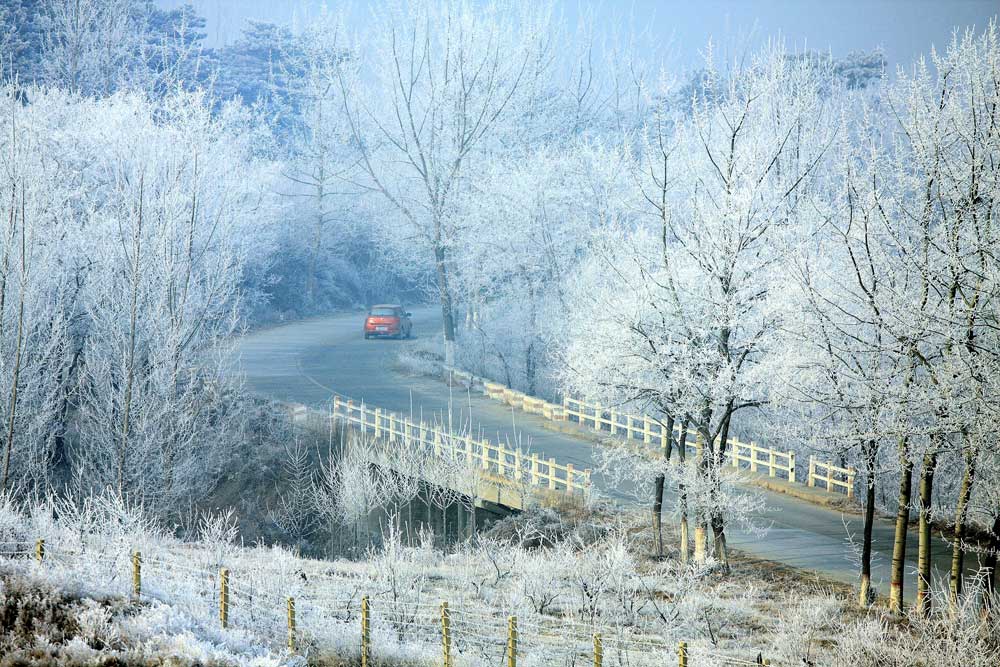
(902, 28)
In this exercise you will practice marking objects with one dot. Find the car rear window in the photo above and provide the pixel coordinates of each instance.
(383, 312)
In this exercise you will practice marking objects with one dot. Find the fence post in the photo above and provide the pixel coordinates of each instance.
(565, 405)
(365, 644)
(598, 415)
(682, 654)
(534, 468)
(378, 421)
(812, 470)
(791, 466)
(517, 465)
(771, 463)
(40, 551)
(136, 574)
(291, 624)
(569, 478)
(850, 482)
(484, 447)
(647, 435)
(445, 634)
(753, 456)
(552, 473)
(224, 598)
(829, 476)
(598, 650)
(734, 453)
(614, 427)
(336, 405)
(512, 641)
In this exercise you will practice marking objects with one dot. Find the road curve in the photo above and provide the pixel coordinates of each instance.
(309, 360)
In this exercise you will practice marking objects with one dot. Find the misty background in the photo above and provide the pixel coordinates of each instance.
(901, 29)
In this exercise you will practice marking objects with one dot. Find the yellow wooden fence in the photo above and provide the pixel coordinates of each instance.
(506, 464)
(653, 433)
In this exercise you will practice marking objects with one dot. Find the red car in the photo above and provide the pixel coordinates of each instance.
(389, 321)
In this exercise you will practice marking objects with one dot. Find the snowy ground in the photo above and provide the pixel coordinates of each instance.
(580, 576)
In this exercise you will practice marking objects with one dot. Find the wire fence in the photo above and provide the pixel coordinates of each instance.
(302, 613)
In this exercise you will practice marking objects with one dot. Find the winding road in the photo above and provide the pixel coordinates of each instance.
(307, 361)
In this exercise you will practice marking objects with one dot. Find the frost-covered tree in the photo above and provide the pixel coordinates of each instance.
(427, 101)
(684, 313)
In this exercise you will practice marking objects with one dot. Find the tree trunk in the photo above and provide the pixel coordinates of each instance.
(719, 521)
(132, 341)
(866, 549)
(702, 522)
(990, 569)
(923, 604)
(961, 512)
(447, 313)
(682, 491)
(658, 493)
(16, 376)
(657, 515)
(902, 527)
(529, 355)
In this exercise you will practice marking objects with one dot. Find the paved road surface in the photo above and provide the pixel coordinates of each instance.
(306, 361)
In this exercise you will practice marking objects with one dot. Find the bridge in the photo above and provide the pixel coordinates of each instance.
(311, 362)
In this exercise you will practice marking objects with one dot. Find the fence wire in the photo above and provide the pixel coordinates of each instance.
(305, 622)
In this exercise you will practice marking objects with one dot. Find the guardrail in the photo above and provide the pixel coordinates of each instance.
(835, 476)
(651, 432)
(499, 463)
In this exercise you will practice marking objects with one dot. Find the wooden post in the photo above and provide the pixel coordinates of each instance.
(772, 472)
(534, 468)
(734, 453)
(647, 435)
(224, 598)
(40, 551)
(365, 637)
(484, 448)
(517, 465)
(136, 574)
(598, 650)
(598, 414)
(850, 482)
(336, 405)
(565, 414)
(350, 409)
(378, 421)
(445, 635)
(682, 654)
(753, 456)
(512, 641)
(829, 476)
(391, 437)
(569, 478)
(812, 471)
(791, 466)
(552, 474)
(614, 426)
(291, 624)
